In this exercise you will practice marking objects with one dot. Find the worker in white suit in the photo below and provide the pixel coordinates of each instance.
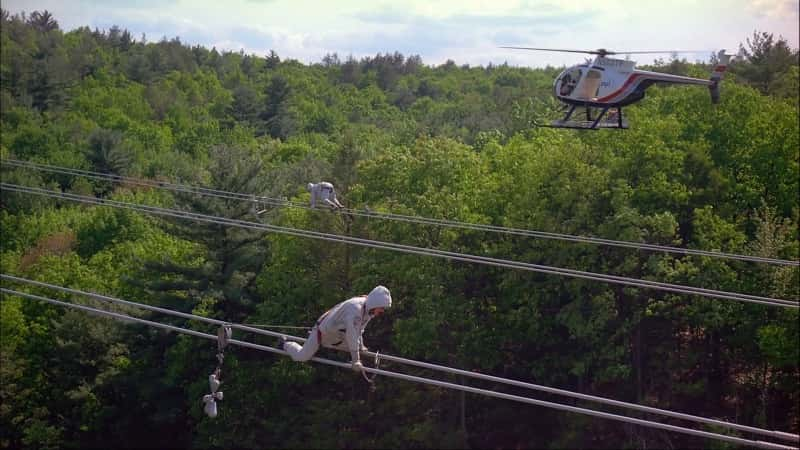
(323, 193)
(343, 324)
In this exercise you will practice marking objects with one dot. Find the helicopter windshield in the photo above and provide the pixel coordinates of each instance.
(569, 80)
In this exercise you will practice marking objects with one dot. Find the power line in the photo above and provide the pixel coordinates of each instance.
(489, 393)
(476, 375)
(410, 249)
(397, 217)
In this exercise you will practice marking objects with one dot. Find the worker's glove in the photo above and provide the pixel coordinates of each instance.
(357, 366)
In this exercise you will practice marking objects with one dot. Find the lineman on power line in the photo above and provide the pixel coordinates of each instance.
(343, 324)
(323, 193)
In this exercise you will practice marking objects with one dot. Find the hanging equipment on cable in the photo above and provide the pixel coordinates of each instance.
(214, 380)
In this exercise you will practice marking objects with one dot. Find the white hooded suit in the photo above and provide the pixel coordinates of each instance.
(323, 193)
(342, 324)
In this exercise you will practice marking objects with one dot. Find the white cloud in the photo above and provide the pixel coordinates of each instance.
(467, 31)
(775, 9)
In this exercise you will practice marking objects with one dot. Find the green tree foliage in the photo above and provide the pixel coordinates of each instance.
(42, 22)
(769, 65)
(394, 135)
(220, 276)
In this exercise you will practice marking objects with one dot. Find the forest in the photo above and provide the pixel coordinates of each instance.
(394, 135)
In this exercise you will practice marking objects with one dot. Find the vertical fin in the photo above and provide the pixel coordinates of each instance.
(717, 73)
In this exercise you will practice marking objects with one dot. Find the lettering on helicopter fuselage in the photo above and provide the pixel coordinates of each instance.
(608, 62)
(614, 63)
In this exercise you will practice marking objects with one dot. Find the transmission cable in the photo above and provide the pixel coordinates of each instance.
(409, 249)
(489, 393)
(391, 216)
(383, 356)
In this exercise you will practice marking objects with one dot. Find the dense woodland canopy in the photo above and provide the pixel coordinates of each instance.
(395, 135)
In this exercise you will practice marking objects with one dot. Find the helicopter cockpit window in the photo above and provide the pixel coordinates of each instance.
(569, 80)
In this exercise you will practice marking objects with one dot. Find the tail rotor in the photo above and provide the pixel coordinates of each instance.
(716, 75)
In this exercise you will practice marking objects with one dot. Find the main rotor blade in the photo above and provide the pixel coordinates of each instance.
(659, 51)
(593, 52)
(604, 52)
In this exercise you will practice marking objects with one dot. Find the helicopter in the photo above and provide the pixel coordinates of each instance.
(604, 85)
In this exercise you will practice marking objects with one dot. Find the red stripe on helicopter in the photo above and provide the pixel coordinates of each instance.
(624, 86)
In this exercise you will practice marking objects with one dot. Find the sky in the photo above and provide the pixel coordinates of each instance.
(465, 31)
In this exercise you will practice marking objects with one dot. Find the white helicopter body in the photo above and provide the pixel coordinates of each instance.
(607, 84)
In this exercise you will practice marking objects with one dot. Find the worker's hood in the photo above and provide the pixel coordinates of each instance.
(379, 298)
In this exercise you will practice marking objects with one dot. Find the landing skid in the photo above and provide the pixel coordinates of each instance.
(586, 125)
(604, 119)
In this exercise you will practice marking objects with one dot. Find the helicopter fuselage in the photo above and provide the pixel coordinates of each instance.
(603, 86)
(609, 82)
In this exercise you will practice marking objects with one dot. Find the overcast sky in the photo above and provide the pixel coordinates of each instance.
(466, 31)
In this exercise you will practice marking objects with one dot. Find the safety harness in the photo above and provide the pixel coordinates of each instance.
(316, 329)
(370, 380)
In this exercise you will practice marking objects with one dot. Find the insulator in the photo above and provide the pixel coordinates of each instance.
(211, 409)
(213, 382)
(224, 336)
